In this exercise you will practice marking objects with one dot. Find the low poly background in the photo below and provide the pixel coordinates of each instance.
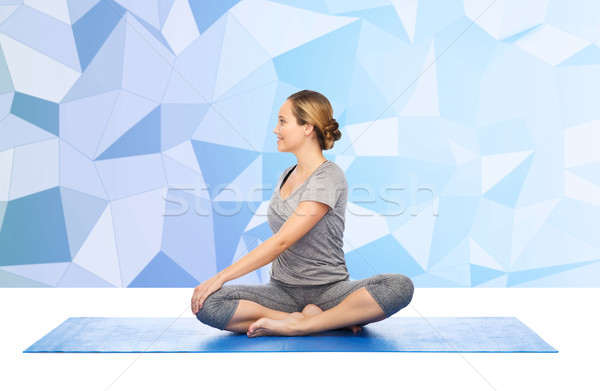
(136, 144)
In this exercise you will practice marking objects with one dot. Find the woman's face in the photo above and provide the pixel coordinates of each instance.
(289, 134)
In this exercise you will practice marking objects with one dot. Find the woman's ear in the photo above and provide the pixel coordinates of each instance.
(309, 128)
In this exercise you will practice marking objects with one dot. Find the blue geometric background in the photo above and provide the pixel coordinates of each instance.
(136, 144)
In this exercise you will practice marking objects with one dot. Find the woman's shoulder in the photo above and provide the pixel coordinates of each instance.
(327, 169)
(332, 171)
(332, 166)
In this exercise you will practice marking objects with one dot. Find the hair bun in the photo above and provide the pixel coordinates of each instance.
(332, 130)
(331, 133)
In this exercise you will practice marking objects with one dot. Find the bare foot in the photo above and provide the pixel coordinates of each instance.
(355, 329)
(312, 310)
(287, 326)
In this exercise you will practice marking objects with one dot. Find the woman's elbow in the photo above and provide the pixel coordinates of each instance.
(280, 243)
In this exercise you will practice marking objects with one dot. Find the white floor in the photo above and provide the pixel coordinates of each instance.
(566, 318)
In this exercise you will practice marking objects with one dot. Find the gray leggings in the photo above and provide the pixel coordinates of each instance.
(392, 291)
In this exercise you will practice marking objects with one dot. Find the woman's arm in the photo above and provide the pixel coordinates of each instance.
(306, 215)
(262, 255)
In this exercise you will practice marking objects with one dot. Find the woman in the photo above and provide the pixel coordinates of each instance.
(309, 289)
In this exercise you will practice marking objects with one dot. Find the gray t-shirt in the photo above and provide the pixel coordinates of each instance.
(317, 257)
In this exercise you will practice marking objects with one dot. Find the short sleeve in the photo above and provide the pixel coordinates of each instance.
(325, 186)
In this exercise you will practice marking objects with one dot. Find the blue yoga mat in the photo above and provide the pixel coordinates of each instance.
(396, 334)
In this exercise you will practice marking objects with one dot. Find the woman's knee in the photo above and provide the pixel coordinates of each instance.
(407, 288)
(216, 309)
(403, 289)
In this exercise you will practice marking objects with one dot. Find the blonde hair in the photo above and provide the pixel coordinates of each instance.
(311, 107)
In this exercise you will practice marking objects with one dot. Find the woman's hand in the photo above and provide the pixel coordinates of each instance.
(202, 291)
